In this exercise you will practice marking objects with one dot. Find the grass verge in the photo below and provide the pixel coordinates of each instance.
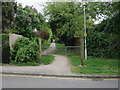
(47, 59)
(94, 66)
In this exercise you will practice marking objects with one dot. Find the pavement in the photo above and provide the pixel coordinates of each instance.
(59, 68)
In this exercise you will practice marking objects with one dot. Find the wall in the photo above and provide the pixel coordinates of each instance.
(12, 39)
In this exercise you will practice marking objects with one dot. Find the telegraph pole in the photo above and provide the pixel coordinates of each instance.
(85, 34)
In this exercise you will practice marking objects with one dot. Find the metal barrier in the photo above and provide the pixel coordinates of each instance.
(72, 50)
(68, 50)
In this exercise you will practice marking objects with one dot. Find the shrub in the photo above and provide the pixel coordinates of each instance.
(24, 64)
(21, 42)
(12, 55)
(27, 54)
(102, 44)
(5, 48)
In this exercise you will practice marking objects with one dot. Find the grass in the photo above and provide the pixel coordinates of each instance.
(48, 59)
(94, 66)
(59, 45)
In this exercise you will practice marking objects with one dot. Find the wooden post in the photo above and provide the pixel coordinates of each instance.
(40, 50)
(82, 49)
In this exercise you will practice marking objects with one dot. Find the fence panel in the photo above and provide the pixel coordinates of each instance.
(68, 50)
(72, 50)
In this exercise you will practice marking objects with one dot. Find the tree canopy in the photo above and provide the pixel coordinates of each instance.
(8, 13)
(66, 19)
(27, 19)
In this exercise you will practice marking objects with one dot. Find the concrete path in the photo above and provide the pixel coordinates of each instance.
(59, 66)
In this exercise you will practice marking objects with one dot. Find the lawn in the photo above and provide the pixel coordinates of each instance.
(47, 59)
(94, 66)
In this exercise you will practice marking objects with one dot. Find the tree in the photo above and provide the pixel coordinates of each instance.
(98, 10)
(67, 22)
(27, 19)
(8, 13)
(66, 19)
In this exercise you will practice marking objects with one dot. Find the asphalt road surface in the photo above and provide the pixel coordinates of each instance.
(48, 82)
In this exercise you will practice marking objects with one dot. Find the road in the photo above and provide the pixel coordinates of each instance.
(48, 82)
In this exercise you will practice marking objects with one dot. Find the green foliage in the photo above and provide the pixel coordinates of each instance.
(32, 63)
(48, 59)
(94, 66)
(49, 34)
(4, 47)
(8, 12)
(26, 20)
(103, 9)
(21, 42)
(103, 40)
(5, 41)
(27, 54)
(12, 55)
(66, 20)
(24, 52)
(59, 45)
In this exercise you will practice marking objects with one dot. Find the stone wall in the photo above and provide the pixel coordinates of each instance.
(12, 39)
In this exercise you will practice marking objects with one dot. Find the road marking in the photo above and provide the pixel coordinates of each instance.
(53, 77)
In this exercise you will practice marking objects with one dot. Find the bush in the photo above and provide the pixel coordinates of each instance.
(21, 42)
(12, 55)
(24, 64)
(102, 44)
(27, 54)
(5, 48)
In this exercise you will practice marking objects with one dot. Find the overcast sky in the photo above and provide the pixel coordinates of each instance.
(34, 3)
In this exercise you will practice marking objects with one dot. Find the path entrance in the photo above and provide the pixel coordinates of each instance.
(60, 66)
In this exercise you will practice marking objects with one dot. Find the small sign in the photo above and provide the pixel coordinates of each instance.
(85, 34)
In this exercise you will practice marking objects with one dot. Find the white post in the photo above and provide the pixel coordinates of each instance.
(85, 33)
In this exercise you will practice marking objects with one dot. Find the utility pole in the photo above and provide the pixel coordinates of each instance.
(85, 34)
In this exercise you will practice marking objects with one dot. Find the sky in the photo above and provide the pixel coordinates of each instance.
(34, 3)
(38, 6)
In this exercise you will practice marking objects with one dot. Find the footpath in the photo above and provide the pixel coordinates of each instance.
(59, 68)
